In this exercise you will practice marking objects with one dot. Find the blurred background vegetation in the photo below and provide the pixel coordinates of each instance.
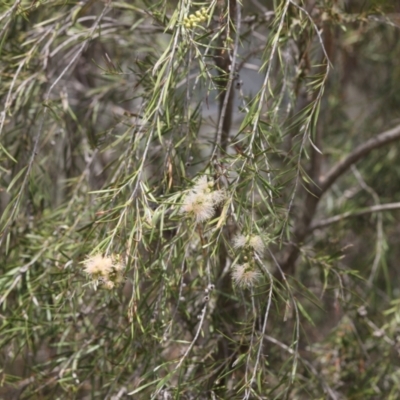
(113, 113)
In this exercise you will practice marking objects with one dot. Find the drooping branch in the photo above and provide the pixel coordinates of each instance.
(350, 214)
(37, 137)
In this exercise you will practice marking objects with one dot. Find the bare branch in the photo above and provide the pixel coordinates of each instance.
(302, 228)
(360, 152)
(369, 210)
(227, 65)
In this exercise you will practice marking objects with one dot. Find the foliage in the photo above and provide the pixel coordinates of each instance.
(199, 199)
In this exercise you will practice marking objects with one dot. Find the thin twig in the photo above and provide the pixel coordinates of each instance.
(264, 328)
(188, 350)
(351, 214)
(297, 335)
(8, 14)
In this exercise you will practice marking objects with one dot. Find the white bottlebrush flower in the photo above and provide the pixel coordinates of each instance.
(202, 185)
(118, 264)
(253, 241)
(118, 268)
(239, 241)
(218, 196)
(106, 270)
(200, 205)
(98, 266)
(202, 200)
(245, 276)
(257, 243)
(108, 285)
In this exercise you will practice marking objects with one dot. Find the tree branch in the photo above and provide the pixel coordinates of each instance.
(369, 210)
(360, 152)
(225, 60)
(302, 228)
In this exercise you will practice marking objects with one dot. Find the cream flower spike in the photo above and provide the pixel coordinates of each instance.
(254, 241)
(201, 201)
(245, 276)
